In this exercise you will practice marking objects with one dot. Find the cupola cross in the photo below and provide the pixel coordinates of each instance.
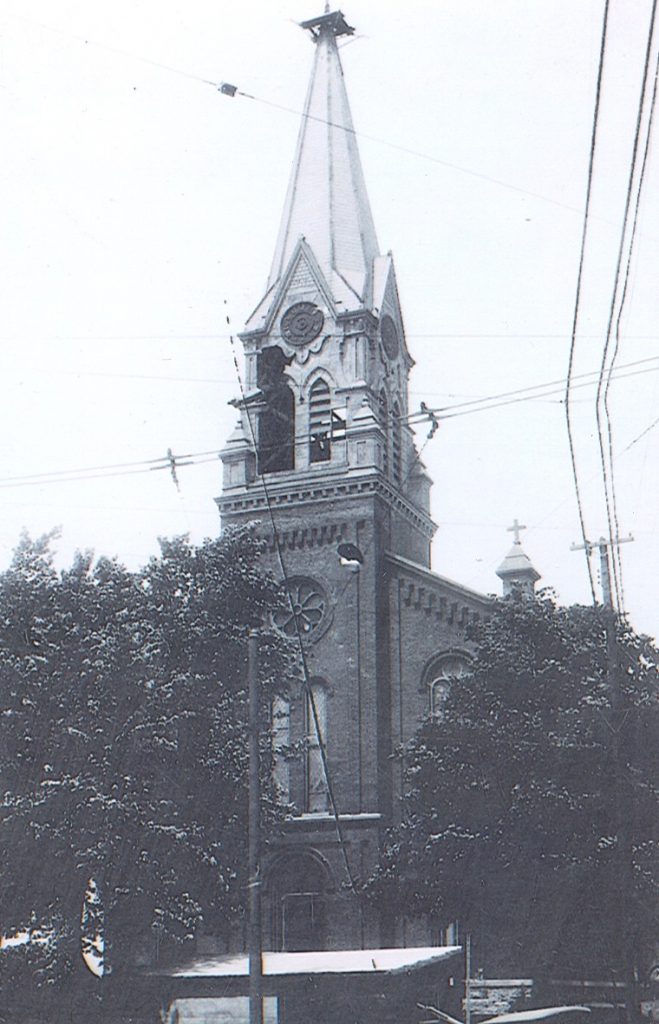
(516, 528)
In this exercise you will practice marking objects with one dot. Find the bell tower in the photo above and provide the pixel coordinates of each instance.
(327, 366)
(321, 457)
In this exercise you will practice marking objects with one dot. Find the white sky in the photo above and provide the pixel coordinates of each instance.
(135, 201)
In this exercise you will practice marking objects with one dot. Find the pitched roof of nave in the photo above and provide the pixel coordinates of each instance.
(327, 202)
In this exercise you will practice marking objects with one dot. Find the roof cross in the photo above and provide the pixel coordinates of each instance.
(516, 528)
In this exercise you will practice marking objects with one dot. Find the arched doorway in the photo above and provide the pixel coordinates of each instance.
(299, 887)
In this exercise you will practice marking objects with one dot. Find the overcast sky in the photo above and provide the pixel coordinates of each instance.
(137, 200)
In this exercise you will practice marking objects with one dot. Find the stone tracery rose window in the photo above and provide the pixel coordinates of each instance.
(308, 605)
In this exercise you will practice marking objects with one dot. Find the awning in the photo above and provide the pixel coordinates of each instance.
(344, 961)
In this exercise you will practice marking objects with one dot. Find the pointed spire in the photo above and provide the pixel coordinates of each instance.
(517, 572)
(327, 203)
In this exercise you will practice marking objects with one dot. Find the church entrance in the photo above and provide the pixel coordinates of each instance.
(299, 903)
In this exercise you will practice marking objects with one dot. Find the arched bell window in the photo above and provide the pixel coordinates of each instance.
(443, 672)
(320, 422)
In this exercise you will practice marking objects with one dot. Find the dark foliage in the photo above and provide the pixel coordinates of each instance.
(530, 808)
(123, 751)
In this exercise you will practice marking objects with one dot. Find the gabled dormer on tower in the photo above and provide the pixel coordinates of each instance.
(327, 366)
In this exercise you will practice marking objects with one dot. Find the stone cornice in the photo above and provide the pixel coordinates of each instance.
(444, 599)
(284, 492)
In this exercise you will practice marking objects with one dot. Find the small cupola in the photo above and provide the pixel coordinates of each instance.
(517, 572)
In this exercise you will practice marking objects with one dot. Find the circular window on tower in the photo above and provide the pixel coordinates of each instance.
(389, 336)
(302, 323)
(304, 610)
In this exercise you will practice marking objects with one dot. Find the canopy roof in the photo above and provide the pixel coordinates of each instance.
(344, 961)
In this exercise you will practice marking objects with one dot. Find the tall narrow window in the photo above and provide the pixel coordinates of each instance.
(396, 455)
(383, 414)
(316, 792)
(281, 722)
(320, 422)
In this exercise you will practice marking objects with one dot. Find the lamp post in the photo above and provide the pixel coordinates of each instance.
(352, 559)
(254, 836)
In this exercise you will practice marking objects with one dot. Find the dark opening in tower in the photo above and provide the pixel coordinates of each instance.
(276, 428)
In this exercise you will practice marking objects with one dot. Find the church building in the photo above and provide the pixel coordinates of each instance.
(324, 459)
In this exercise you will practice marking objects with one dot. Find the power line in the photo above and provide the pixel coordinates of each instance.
(230, 90)
(575, 319)
(401, 149)
(413, 419)
(439, 336)
(112, 49)
(561, 381)
(616, 556)
(303, 655)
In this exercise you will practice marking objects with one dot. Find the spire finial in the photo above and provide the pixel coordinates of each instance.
(327, 201)
(333, 23)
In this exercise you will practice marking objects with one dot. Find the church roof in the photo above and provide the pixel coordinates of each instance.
(327, 203)
(517, 563)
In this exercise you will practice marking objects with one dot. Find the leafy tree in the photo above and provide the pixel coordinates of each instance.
(123, 753)
(530, 806)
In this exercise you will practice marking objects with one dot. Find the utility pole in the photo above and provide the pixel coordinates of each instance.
(254, 840)
(468, 977)
(623, 835)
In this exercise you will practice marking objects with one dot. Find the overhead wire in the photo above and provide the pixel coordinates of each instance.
(608, 480)
(300, 643)
(231, 90)
(413, 419)
(577, 301)
(623, 297)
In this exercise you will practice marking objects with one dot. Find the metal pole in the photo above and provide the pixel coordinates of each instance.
(468, 981)
(605, 572)
(621, 911)
(254, 842)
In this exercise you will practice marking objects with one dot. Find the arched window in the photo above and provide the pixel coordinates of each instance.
(316, 797)
(281, 738)
(299, 886)
(443, 672)
(383, 416)
(320, 422)
(396, 455)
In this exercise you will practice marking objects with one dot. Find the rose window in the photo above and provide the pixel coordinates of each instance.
(306, 607)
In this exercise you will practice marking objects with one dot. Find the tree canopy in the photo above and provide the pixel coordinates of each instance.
(123, 749)
(530, 808)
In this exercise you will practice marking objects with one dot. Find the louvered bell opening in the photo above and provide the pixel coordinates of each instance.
(320, 423)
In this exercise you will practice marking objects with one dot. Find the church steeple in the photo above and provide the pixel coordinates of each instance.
(327, 365)
(327, 202)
